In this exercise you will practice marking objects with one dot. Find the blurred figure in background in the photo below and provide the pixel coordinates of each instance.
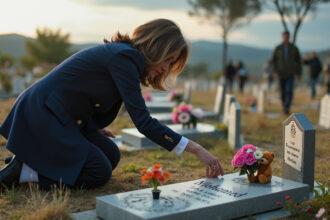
(287, 64)
(315, 68)
(268, 73)
(230, 75)
(327, 76)
(242, 75)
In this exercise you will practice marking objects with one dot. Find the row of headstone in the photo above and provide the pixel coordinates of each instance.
(215, 114)
(227, 197)
(132, 139)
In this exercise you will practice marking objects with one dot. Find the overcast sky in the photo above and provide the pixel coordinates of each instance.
(92, 20)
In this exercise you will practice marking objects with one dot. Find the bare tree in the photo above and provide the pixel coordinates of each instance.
(293, 11)
(226, 14)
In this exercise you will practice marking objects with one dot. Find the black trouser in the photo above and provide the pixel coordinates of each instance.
(242, 81)
(287, 86)
(103, 157)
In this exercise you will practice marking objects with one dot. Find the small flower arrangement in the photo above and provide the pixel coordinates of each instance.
(175, 96)
(247, 159)
(155, 176)
(186, 115)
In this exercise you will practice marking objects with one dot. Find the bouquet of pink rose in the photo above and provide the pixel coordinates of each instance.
(247, 159)
(186, 115)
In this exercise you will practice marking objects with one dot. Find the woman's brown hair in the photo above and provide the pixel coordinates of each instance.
(158, 40)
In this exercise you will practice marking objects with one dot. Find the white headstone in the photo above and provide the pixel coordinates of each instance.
(299, 149)
(234, 125)
(228, 100)
(18, 85)
(261, 101)
(219, 100)
(255, 90)
(215, 198)
(324, 120)
(187, 91)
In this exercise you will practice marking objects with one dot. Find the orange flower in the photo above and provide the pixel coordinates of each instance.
(154, 175)
(166, 175)
(143, 171)
(156, 166)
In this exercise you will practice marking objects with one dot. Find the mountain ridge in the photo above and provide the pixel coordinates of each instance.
(201, 51)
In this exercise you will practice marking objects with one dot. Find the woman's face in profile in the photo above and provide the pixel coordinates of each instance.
(162, 68)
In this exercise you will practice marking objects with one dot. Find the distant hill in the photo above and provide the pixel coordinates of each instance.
(201, 51)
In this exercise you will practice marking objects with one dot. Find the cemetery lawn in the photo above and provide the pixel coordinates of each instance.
(26, 202)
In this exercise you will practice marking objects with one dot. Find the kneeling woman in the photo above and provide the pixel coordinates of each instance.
(56, 127)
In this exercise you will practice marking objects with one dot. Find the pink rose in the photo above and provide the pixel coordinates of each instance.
(185, 108)
(175, 116)
(238, 161)
(250, 159)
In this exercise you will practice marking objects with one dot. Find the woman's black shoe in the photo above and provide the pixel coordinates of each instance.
(9, 175)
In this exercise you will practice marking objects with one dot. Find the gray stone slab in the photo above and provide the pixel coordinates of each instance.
(324, 119)
(159, 107)
(218, 198)
(132, 137)
(228, 100)
(187, 91)
(219, 100)
(261, 101)
(234, 126)
(299, 149)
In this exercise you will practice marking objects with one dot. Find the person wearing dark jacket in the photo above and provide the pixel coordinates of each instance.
(56, 127)
(287, 64)
(315, 68)
(230, 75)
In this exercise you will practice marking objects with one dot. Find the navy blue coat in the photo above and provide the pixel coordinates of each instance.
(44, 126)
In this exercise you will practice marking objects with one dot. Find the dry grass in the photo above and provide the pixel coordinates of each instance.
(258, 129)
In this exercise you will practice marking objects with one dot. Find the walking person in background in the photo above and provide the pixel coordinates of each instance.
(242, 75)
(315, 68)
(268, 73)
(230, 75)
(327, 76)
(287, 64)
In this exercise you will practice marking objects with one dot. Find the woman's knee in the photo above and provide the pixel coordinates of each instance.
(103, 174)
(115, 158)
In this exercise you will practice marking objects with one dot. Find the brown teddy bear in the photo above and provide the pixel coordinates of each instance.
(264, 173)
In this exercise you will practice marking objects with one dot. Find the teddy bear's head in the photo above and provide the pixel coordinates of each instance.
(267, 158)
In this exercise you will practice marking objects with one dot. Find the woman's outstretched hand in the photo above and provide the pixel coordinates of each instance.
(106, 133)
(213, 167)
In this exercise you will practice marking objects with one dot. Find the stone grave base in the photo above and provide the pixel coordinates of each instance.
(131, 137)
(226, 197)
(279, 213)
